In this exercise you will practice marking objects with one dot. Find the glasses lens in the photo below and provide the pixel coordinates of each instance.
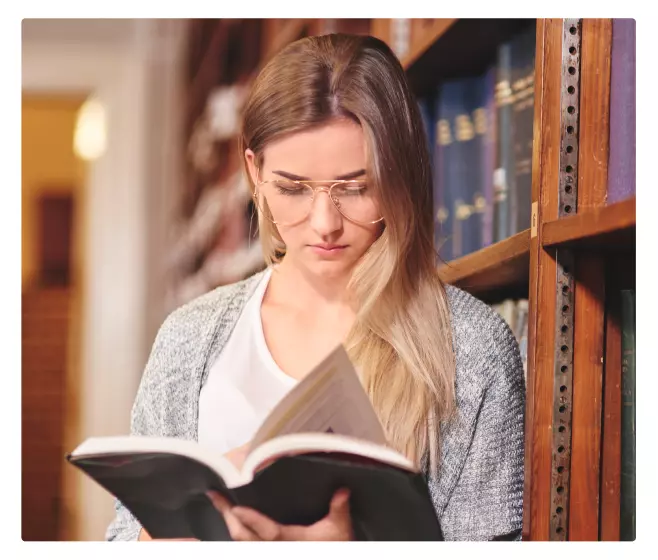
(356, 201)
(284, 202)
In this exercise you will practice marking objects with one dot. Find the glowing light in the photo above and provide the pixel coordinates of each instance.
(90, 137)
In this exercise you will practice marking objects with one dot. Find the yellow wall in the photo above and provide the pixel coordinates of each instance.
(48, 164)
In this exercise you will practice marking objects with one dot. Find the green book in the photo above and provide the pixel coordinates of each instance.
(627, 489)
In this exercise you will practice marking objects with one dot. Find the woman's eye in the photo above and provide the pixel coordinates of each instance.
(359, 189)
(289, 188)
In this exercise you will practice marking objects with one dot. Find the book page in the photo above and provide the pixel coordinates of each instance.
(299, 444)
(330, 399)
(131, 448)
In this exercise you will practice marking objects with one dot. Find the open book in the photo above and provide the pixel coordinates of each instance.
(323, 435)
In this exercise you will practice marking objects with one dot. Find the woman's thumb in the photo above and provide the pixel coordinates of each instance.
(339, 505)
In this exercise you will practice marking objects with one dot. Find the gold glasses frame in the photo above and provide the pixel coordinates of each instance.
(315, 189)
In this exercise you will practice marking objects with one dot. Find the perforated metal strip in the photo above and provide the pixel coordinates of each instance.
(564, 308)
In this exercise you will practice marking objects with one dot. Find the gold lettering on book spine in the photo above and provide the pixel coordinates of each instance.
(465, 129)
(443, 136)
(480, 120)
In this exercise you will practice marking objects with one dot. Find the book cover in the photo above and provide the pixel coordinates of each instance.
(443, 162)
(628, 468)
(460, 164)
(503, 174)
(322, 436)
(523, 79)
(621, 164)
(489, 156)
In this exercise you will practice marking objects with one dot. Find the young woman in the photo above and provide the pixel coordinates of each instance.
(339, 167)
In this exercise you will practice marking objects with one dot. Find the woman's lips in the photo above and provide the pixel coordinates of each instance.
(327, 249)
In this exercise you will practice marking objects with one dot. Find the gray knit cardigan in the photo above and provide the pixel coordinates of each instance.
(478, 489)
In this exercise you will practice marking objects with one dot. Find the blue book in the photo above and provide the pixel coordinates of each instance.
(504, 172)
(523, 73)
(465, 179)
(476, 176)
(448, 105)
(488, 156)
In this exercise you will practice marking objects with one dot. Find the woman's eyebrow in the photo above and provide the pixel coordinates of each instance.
(346, 177)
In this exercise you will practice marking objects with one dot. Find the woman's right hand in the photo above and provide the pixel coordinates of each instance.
(144, 536)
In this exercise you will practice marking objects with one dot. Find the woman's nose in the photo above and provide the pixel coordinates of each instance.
(325, 217)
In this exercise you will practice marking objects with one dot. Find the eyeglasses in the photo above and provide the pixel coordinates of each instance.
(287, 203)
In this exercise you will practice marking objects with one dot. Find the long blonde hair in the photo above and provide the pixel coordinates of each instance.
(401, 338)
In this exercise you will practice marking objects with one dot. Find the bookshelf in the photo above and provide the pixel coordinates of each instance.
(425, 37)
(497, 271)
(605, 227)
(570, 264)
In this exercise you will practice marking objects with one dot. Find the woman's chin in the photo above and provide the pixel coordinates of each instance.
(333, 267)
(330, 268)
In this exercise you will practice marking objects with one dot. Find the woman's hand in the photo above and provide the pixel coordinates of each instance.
(245, 524)
(144, 536)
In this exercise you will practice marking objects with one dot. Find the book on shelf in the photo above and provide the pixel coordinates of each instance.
(482, 150)
(504, 152)
(627, 515)
(523, 89)
(515, 314)
(621, 159)
(322, 436)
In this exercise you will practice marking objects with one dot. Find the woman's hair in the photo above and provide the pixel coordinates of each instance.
(401, 339)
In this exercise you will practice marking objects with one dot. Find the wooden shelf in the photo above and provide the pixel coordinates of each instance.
(429, 36)
(497, 271)
(465, 47)
(609, 227)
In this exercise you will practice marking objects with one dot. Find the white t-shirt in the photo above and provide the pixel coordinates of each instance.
(244, 384)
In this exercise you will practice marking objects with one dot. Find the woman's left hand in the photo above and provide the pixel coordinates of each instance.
(247, 524)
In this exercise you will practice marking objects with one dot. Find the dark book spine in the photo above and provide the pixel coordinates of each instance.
(438, 167)
(444, 158)
(523, 78)
(621, 164)
(474, 177)
(627, 482)
(460, 169)
(504, 154)
(489, 157)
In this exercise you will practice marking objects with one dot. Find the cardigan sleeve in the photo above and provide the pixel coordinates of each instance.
(146, 420)
(487, 501)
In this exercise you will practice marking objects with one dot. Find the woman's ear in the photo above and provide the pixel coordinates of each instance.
(250, 158)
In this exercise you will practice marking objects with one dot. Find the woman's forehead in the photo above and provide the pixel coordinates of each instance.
(330, 151)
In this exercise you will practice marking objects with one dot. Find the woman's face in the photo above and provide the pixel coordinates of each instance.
(325, 242)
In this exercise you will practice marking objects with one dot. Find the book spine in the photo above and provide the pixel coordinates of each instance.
(504, 154)
(627, 482)
(474, 224)
(621, 164)
(489, 157)
(523, 77)
(467, 222)
(443, 163)
(459, 171)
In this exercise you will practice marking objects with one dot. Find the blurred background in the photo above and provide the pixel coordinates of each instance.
(134, 202)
